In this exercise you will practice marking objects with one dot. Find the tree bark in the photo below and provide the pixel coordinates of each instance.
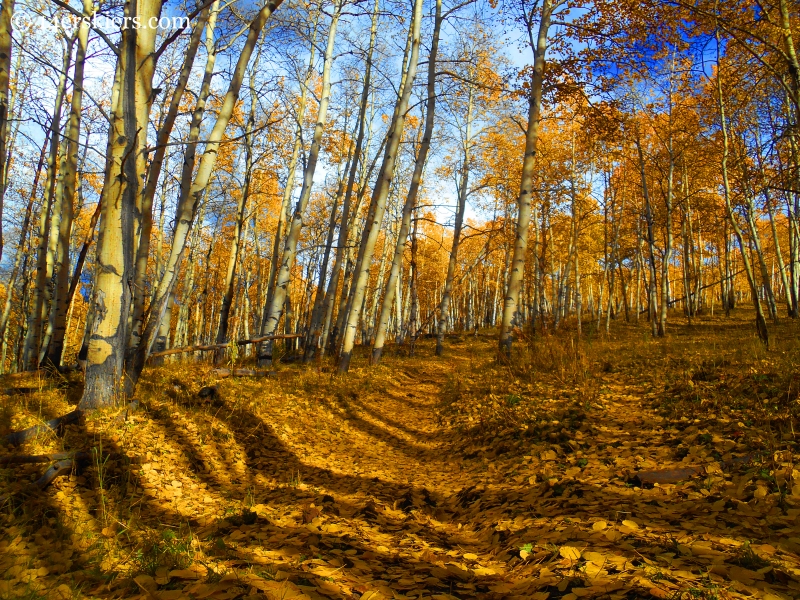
(313, 345)
(461, 206)
(381, 191)
(18, 256)
(236, 240)
(6, 15)
(761, 323)
(145, 220)
(66, 189)
(274, 312)
(290, 178)
(411, 200)
(115, 245)
(33, 336)
(511, 302)
(190, 198)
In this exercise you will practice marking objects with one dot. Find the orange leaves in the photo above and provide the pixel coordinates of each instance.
(337, 143)
(310, 487)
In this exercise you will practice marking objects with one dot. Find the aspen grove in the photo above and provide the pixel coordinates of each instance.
(298, 198)
(521, 166)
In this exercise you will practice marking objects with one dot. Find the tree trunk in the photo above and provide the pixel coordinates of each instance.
(381, 191)
(511, 302)
(274, 312)
(115, 245)
(145, 219)
(20, 253)
(6, 23)
(313, 346)
(236, 240)
(463, 191)
(67, 186)
(651, 242)
(347, 217)
(191, 196)
(761, 323)
(411, 200)
(33, 336)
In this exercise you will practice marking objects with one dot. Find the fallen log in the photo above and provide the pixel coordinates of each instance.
(65, 463)
(18, 437)
(19, 459)
(242, 373)
(14, 391)
(662, 476)
(62, 467)
(218, 346)
(667, 475)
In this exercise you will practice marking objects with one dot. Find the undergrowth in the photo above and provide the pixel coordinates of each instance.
(712, 369)
(108, 522)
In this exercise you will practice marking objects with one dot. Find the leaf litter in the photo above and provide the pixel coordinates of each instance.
(455, 478)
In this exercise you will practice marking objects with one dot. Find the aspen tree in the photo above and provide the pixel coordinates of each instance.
(238, 230)
(288, 190)
(348, 214)
(411, 201)
(316, 323)
(761, 323)
(192, 194)
(461, 206)
(6, 14)
(539, 47)
(154, 173)
(33, 336)
(115, 246)
(18, 255)
(66, 190)
(380, 194)
(273, 313)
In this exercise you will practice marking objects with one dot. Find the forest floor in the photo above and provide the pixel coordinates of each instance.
(453, 477)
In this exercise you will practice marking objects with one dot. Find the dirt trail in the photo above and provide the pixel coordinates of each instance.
(361, 492)
(431, 513)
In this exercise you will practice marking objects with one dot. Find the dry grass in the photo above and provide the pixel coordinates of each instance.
(716, 364)
(168, 488)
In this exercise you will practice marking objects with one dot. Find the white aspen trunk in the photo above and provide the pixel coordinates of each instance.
(368, 325)
(313, 346)
(33, 336)
(460, 208)
(290, 178)
(345, 229)
(115, 246)
(651, 243)
(66, 189)
(163, 330)
(413, 315)
(20, 253)
(381, 191)
(236, 240)
(275, 310)
(6, 23)
(668, 201)
(401, 307)
(145, 221)
(182, 328)
(413, 191)
(778, 254)
(187, 207)
(511, 303)
(761, 323)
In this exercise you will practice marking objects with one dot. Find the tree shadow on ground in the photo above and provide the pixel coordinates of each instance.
(352, 530)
